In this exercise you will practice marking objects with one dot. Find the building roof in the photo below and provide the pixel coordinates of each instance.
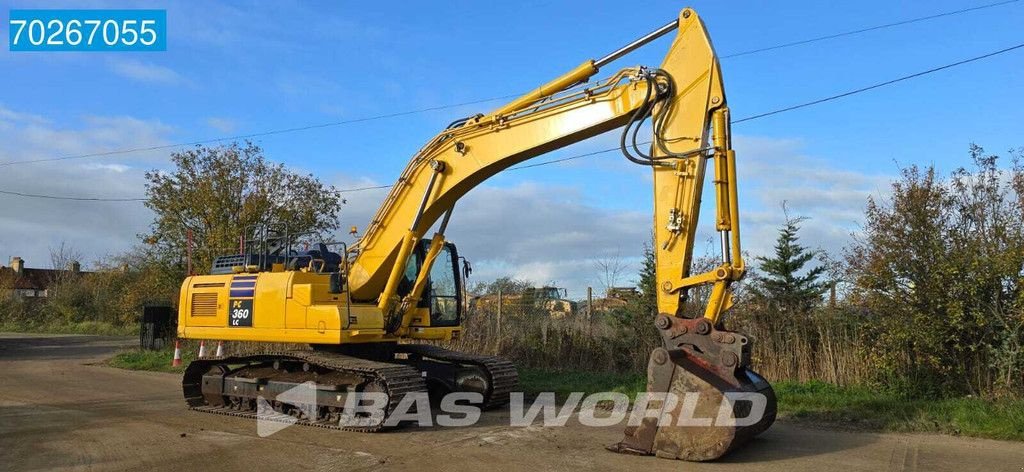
(32, 279)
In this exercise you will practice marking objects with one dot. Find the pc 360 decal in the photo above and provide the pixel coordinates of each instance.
(240, 312)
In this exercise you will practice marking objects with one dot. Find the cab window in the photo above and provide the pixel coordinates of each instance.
(444, 289)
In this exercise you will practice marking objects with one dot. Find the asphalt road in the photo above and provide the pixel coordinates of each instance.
(60, 410)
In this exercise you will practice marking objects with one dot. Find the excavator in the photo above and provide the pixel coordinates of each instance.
(374, 312)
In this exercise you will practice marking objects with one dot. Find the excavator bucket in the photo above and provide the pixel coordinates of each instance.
(709, 401)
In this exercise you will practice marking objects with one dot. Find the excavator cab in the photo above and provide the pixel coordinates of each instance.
(443, 293)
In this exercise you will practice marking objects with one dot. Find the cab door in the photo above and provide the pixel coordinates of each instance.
(445, 289)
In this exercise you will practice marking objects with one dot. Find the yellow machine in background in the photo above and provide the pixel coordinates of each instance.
(548, 301)
(362, 308)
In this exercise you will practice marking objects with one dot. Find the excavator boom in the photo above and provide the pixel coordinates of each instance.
(553, 116)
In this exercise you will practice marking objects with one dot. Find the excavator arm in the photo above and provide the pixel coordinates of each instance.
(685, 101)
(690, 101)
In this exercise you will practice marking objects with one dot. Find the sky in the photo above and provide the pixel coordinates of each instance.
(236, 68)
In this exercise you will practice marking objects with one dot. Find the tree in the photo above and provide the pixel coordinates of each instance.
(633, 324)
(785, 283)
(507, 285)
(648, 282)
(938, 266)
(62, 260)
(221, 193)
(610, 269)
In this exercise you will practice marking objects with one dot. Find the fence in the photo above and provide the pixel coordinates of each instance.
(598, 336)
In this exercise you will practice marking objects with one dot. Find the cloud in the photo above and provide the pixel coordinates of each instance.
(32, 226)
(547, 232)
(10, 117)
(145, 72)
(553, 232)
(119, 168)
(224, 125)
(29, 137)
(542, 233)
(772, 171)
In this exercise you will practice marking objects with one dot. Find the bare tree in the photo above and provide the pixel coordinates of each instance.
(61, 260)
(610, 269)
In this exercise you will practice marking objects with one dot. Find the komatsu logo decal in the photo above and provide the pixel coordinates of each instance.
(243, 286)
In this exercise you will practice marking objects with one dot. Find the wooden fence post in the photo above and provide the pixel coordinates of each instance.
(590, 311)
(497, 327)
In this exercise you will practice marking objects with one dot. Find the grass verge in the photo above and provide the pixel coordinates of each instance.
(159, 360)
(865, 408)
(857, 408)
(81, 327)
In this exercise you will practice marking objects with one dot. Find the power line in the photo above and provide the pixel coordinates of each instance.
(864, 30)
(360, 189)
(578, 156)
(556, 161)
(485, 100)
(79, 199)
(802, 105)
(880, 84)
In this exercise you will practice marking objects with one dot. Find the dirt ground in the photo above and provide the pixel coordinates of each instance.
(60, 410)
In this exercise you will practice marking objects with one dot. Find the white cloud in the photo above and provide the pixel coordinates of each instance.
(224, 125)
(145, 72)
(31, 226)
(119, 168)
(547, 233)
(11, 117)
(775, 170)
(29, 137)
(542, 232)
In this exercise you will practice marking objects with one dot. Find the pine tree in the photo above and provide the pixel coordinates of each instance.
(648, 282)
(784, 283)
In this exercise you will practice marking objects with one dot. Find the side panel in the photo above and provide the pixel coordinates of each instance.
(287, 307)
(204, 301)
(269, 300)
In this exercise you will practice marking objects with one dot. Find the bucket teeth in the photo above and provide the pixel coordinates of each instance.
(709, 399)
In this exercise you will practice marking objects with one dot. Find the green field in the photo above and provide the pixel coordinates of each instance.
(159, 361)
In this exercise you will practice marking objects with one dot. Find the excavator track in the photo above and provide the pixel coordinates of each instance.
(396, 380)
(503, 377)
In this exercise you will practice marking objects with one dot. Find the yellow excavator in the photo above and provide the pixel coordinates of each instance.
(366, 309)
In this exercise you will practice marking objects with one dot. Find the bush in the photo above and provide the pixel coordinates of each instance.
(107, 300)
(939, 271)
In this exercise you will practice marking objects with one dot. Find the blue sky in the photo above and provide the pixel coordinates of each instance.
(235, 68)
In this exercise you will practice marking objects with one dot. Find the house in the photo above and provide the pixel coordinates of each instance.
(33, 283)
